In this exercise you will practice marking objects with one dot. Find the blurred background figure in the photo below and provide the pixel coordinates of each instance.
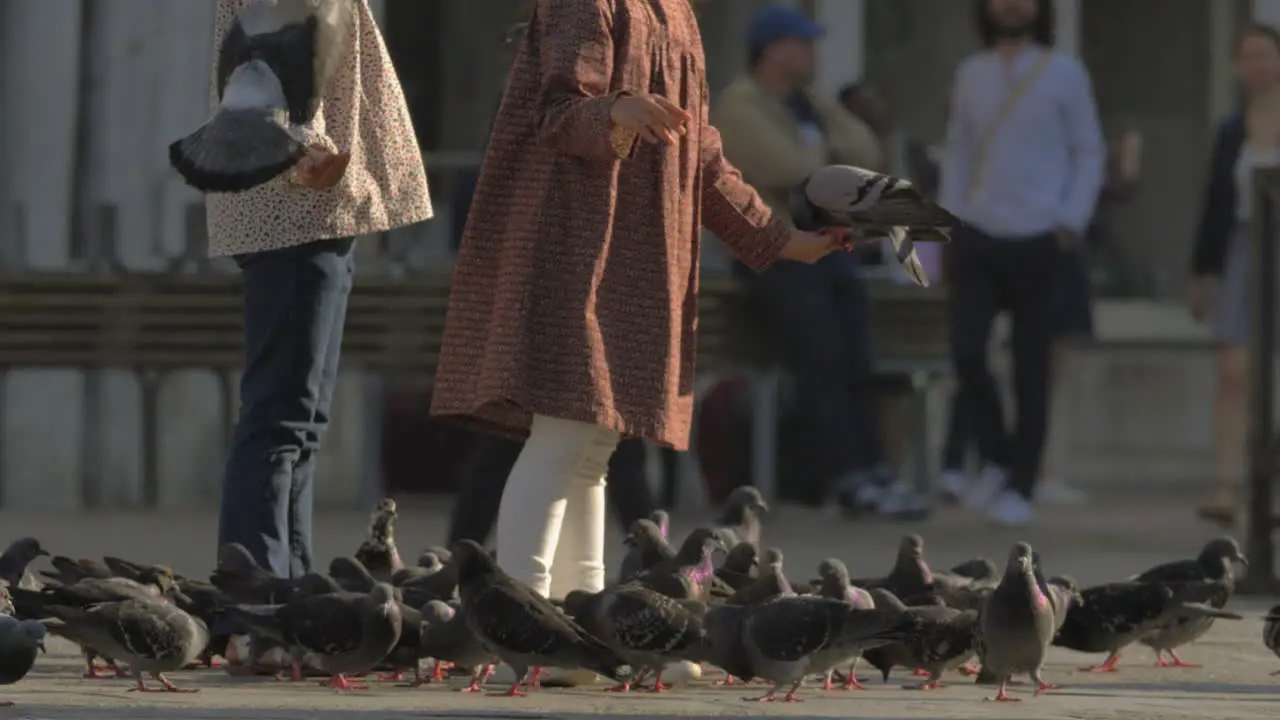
(1222, 258)
(905, 156)
(1023, 167)
(776, 130)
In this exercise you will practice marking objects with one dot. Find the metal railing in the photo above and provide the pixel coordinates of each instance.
(1264, 445)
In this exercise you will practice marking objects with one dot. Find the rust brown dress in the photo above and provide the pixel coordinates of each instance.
(575, 290)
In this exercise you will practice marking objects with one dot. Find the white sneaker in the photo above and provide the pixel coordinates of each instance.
(1054, 491)
(953, 485)
(985, 489)
(1011, 510)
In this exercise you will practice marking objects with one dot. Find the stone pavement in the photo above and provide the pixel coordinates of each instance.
(1108, 541)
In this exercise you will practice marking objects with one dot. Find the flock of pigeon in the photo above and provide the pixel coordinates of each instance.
(457, 610)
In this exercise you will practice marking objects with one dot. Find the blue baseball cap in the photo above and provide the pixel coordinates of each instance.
(779, 22)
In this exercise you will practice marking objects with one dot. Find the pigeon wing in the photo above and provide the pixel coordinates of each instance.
(142, 628)
(515, 619)
(324, 624)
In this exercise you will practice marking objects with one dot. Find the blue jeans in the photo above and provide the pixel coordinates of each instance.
(295, 306)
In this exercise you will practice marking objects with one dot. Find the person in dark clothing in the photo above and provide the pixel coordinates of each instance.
(1023, 167)
(484, 476)
(776, 130)
(1222, 261)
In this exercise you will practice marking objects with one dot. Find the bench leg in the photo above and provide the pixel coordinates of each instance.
(764, 435)
(149, 382)
(920, 384)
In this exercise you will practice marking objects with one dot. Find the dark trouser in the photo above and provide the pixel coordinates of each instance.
(959, 437)
(1072, 318)
(819, 317)
(484, 476)
(1017, 275)
(295, 305)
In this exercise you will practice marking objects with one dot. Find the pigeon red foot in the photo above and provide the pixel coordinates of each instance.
(1108, 665)
(1175, 662)
(341, 682)
(165, 686)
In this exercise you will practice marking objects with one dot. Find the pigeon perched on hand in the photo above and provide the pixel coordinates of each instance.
(273, 68)
(874, 205)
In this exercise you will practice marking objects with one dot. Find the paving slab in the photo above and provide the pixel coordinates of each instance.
(1110, 540)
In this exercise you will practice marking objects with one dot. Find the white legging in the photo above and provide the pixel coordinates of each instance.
(553, 508)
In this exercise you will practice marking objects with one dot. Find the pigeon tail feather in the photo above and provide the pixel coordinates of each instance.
(1200, 610)
(237, 150)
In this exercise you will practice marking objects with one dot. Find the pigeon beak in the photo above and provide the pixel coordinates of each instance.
(629, 541)
(42, 553)
(762, 506)
(1242, 560)
(42, 648)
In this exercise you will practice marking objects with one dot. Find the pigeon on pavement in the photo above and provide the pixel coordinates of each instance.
(1271, 632)
(646, 547)
(446, 637)
(772, 582)
(378, 552)
(520, 626)
(1213, 564)
(1111, 617)
(833, 582)
(739, 568)
(345, 632)
(646, 628)
(739, 521)
(15, 559)
(947, 638)
(1017, 624)
(20, 642)
(785, 640)
(152, 636)
(690, 574)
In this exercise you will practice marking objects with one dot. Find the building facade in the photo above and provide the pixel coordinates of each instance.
(95, 89)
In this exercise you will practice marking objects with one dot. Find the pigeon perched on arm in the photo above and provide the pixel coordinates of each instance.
(378, 552)
(274, 66)
(874, 205)
(739, 521)
(1017, 624)
(1213, 565)
(20, 642)
(646, 547)
(520, 626)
